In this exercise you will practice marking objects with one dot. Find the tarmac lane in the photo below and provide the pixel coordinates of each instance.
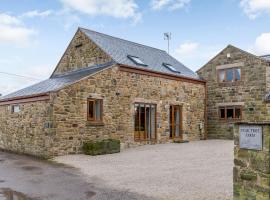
(26, 178)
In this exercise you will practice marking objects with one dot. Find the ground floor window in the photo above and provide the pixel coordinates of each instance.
(175, 121)
(230, 113)
(145, 122)
(94, 110)
(15, 108)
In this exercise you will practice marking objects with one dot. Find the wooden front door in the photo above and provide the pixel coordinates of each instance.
(175, 122)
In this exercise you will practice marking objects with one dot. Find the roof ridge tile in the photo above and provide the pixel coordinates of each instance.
(125, 40)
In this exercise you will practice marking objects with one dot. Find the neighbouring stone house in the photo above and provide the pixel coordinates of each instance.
(238, 88)
(105, 87)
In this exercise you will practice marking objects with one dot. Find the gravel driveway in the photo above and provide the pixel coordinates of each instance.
(195, 170)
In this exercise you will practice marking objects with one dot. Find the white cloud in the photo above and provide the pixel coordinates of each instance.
(6, 19)
(15, 35)
(187, 51)
(36, 13)
(10, 83)
(170, 4)
(67, 19)
(12, 31)
(187, 48)
(39, 71)
(7, 88)
(115, 8)
(262, 44)
(254, 8)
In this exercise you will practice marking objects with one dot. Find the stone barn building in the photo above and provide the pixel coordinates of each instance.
(105, 87)
(238, 89)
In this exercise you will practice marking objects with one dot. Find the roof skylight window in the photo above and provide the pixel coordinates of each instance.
(172, 68)
(136, 60)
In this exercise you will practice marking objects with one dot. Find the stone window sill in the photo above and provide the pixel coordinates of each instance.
(229, 84)
(94, 123)
(230, 120)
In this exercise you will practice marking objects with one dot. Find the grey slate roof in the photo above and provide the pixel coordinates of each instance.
(266, 57)
(57, 82)
(119, 49)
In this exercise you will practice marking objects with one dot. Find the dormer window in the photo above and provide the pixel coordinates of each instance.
(171, 68)
(136, 60)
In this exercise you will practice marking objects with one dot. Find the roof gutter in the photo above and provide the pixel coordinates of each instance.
(25, 99)
(149, 72)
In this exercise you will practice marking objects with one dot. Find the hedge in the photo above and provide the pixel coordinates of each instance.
(107, 146)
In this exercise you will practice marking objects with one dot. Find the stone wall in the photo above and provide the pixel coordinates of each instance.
(60, 125)
(28, 131)
(252, 169)
(119, 91)
(268, 78)
(249, 92)
(81, 53)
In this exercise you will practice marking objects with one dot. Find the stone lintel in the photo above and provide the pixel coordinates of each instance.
(95, 96)
(142, 100)
(239, 64)
(231, 104)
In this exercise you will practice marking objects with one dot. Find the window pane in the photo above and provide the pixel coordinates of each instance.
(170, 121)
(137, 121)
(170, 67)
(222, 113)
(229, 75)
(153, 122)
(16, 109)
(237, 113)
(145, 121)
(91, 109)
(98, 110)
(137, 117)
(230, 113)
(142, 113)
(221, 75)
(136, 60)
(177, 121)
(148, 122)
(237, 72)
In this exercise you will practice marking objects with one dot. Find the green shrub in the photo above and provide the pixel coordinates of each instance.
(180, 141)
(107, 146)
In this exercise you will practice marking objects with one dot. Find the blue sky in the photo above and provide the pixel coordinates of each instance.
(34, 34)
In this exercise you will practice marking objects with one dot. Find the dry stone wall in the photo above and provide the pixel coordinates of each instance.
(252, 169)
